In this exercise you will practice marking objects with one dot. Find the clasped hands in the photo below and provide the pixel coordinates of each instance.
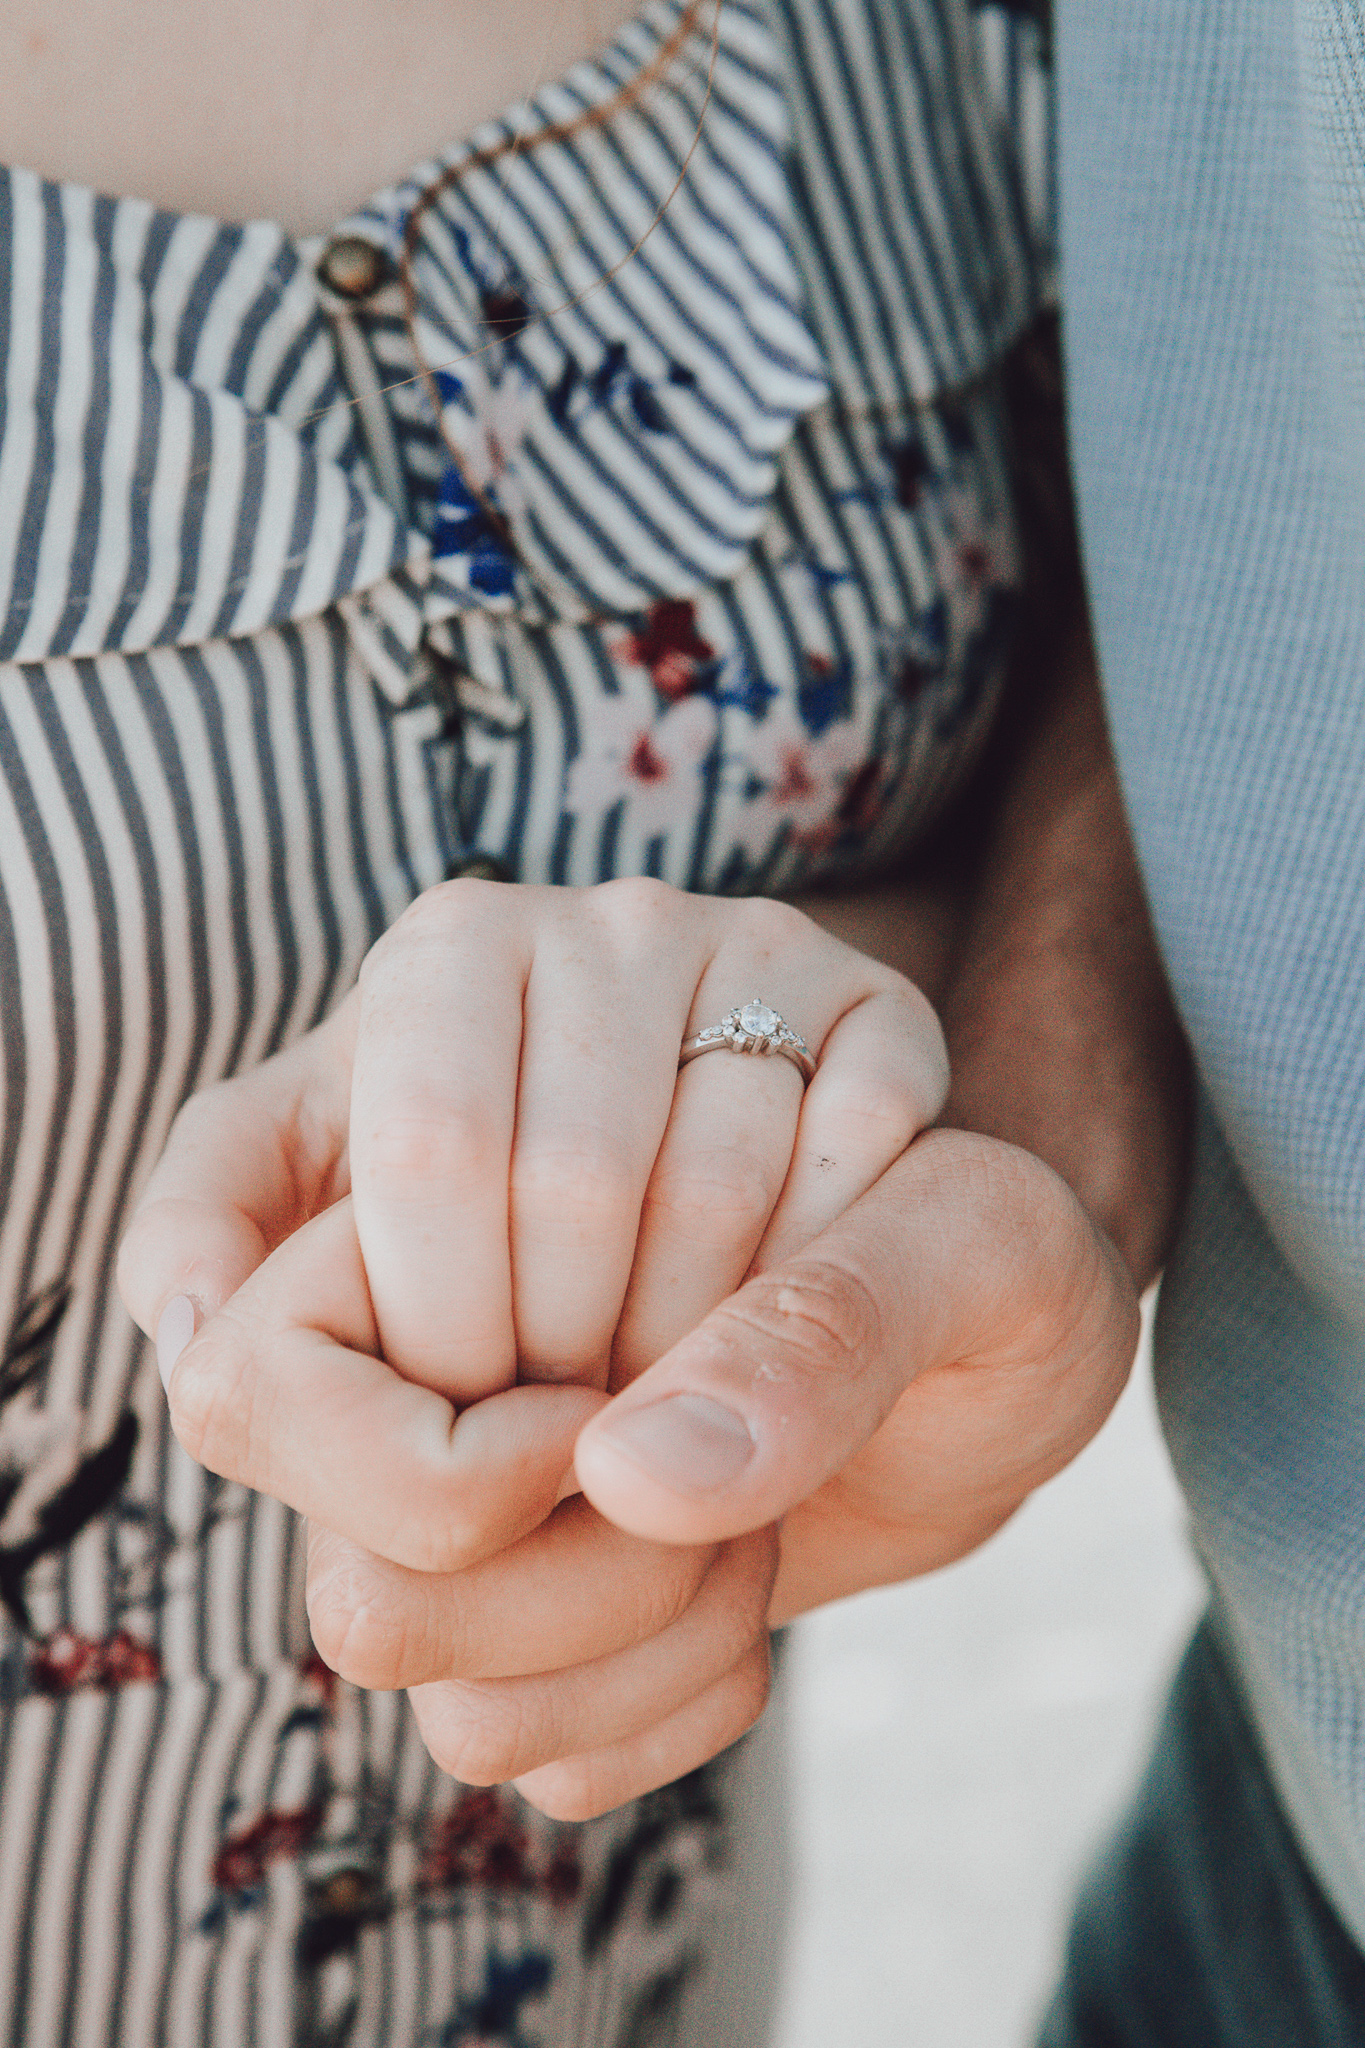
(475, 1244)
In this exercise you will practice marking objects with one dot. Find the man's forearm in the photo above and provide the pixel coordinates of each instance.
(1061, 1029)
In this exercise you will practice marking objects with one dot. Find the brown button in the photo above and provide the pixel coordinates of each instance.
(352, 267)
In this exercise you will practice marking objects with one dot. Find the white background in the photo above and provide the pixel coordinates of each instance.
(959, 1745)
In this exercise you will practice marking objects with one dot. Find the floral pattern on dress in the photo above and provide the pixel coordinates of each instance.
(52, 1488)
(650, 765)
(803, 778)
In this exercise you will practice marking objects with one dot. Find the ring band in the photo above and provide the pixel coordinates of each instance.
(752, 1027)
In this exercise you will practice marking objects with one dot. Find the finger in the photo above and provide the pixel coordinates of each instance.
(438, 1044)
(574, 1589)
(582, 1787)
(793, 1374)
(715, 1183)
(881, 1080)
(726, 1153)
(595, 1095)
(282, 1392)
(246, 1161)
(486, 1733)
(747, 1169)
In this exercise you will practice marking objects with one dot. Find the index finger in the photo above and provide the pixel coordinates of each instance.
(284, 1391)
(246, 1162)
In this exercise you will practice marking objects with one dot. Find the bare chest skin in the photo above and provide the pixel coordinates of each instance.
(287, 110)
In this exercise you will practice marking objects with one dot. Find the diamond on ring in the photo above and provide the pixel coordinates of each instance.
(751, 1027)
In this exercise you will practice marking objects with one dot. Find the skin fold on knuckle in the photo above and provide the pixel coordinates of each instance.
(216, 1401)
(428, 1147)
(925, 1031)
(822, 1320)
(715, 1197)
(1055, 1304)
(875, 1115)
(576, 1188)
(736, 1598)
(361, 1633)
(1082, 1301)
(484, 1734)
(662, 1596)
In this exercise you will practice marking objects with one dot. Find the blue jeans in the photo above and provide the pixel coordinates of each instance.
(1201, 1926)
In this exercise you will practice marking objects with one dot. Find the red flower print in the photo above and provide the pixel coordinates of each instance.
(68, 1662)
(669, 646)
(321, 1675)
(807, 779)
(652, 762)
(562, 1880)
(274, 1838)
(129, 1662)
(481, 1841)
(976, 563)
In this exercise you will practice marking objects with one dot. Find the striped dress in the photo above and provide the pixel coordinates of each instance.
(728, 605)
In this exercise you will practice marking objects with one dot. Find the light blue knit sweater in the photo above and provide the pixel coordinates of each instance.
(1213, 208)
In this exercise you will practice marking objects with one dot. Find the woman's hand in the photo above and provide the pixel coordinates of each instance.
(535, 1192)
(485, 1171)
(538, 1193)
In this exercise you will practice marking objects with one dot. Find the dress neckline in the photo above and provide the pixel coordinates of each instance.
(591, 82)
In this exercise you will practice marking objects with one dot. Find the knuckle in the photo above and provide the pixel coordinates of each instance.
(436, 910)
(666, 1596)
(749, 1686)
(573, 1790)
(430, 1145)
(585, 1180)
(1058, 1286)
(876, 1115)
(715, 1194)
(359, 1634)
(753, 1564)
(138, 1257)
(933, 1047)
(214, 1400)
(485, 1734)
(430, 919)
(825, 1317)
(637, 905)
(438, 1537)
(665, 1589)
(774, 929)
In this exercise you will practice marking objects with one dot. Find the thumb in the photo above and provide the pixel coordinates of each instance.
(966, 1253)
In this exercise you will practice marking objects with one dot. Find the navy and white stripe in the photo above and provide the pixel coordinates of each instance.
(254, 697)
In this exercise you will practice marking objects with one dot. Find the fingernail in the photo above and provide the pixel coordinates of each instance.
(173, 1333)
(687, 1442)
